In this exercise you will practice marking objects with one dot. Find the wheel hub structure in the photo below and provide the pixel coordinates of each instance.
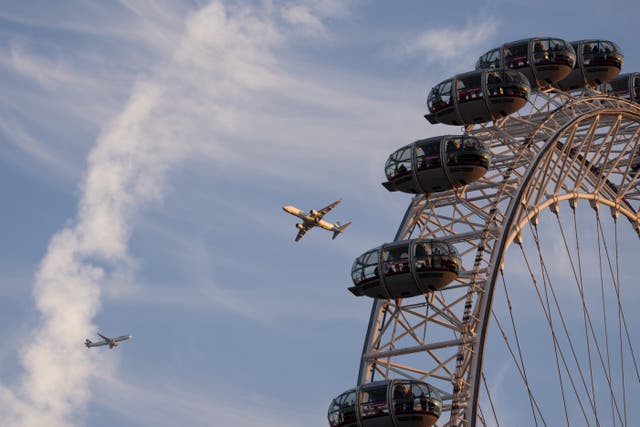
(562, 156)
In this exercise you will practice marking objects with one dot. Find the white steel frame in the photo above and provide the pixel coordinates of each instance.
(559, 147)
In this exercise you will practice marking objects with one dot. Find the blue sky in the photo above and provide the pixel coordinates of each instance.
(145, 151)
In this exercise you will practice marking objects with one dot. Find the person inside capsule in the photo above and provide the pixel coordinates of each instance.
(374, 402)
(396, 261)
(402, 398)
(470, 88)
(601, 52)
(516, 56)
(440, 97)
(399, 163)
(428, 155)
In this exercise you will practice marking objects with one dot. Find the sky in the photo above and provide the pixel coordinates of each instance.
(146, 149)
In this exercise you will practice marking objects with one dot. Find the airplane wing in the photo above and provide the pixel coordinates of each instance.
(322, 212)
(301, 233)
(103, 337)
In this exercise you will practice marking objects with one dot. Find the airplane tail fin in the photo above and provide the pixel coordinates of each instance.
(339, 229)
(87, 343)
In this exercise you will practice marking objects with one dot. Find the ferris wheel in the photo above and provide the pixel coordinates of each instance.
(508, 296)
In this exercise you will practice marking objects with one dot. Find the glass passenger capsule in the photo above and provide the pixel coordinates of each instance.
(477, 97)
(437, 164)
(626, 86)
(405, 269)
(597, 61)
(387, 403)
(542, 60)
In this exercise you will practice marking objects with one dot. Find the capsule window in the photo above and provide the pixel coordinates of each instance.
(489, 60)
(471, 144)
(428, 155)
(515, 56)
(403, 397)
(616, 48)
(399, 163)
(598, 51)
(619, 87)
(443, 257)
(343, 409)
(606, 47)
(373, 402)
(636, 87)
(541, 51)
(559, 45)
(589, 48)
(396, 260)
(454, 144)
(440, 97)
(469, 88)
(453, 148)
(426, 399)
(561, 52)
(422, 256)
(365, 267)
(514, 84)
(494, 83)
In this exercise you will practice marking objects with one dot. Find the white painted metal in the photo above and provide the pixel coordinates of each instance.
(559, 147)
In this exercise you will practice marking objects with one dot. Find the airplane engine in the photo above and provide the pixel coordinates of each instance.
(313, 213)
(299, 226)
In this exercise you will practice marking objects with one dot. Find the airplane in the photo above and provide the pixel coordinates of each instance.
(111, 342)
(314, 218)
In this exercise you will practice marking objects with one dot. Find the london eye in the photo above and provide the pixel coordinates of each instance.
(508, 295)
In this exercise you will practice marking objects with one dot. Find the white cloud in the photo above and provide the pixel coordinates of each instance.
(308, 17)
(446, 45)
(301, 16)
(126, 170)
(205, 98)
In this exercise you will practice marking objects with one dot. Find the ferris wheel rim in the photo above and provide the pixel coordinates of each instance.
(508, 228)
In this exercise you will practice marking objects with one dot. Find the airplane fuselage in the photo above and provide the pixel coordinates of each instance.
(309, 219)
(111, 342)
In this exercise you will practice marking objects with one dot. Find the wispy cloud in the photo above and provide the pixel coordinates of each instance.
(204, 99)
(165, 405)
(46, 72)
(126, 170)
(448, 45)
(308, 17)
(20, 137)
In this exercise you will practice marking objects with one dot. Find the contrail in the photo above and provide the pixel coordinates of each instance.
(218, 58)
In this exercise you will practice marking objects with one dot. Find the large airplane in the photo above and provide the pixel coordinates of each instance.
(314, 218)
(111, 342)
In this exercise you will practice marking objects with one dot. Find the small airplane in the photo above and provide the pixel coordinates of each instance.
(111, 342)
(314, 218)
